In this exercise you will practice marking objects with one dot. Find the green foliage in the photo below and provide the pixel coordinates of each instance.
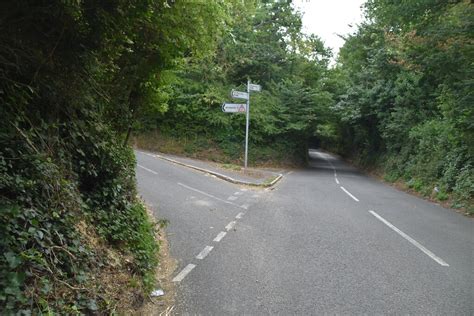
(405, 98)
(391, 177)
(224, 152)
(45, 192)
(35, 253)
(264, 42)
(415, 184)
(442, 196)
(74, 76)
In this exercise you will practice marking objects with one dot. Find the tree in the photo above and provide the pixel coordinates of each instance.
(408, 103)
(73, 76)
(264, 43)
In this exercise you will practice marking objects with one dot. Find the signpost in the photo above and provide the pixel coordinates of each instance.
(239, 95)
(234, 107)
(255, 87)
(241, 108)
(247, 125)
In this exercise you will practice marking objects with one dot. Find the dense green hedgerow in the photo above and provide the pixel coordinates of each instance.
(73, 76)
(265, 44)
(405, 100)
(45, 192)
(226, 151)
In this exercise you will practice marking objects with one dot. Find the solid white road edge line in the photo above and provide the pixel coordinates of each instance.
(149, 170)
(207, 194)
(411, 240)
(337, 181)
(145, 153)
(349, 193)
(239, 216)
(204, 252)
(219, 236)
(184, 273)
(230, 225)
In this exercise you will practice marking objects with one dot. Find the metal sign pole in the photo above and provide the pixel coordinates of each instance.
(247, 125)
(239, 108)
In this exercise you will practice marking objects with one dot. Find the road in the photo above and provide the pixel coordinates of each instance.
(326, 240)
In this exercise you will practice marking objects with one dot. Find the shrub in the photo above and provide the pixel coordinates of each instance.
(81, 173)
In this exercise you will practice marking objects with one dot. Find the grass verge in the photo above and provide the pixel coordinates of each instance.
(230, 155)
(426, 190)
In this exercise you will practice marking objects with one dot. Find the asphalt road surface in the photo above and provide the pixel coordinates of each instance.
(325, 240)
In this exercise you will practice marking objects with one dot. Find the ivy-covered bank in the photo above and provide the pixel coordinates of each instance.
(78, 78)
(74, 237)
(69, 217)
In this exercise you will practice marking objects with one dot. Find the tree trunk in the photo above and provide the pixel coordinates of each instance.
(129, 131)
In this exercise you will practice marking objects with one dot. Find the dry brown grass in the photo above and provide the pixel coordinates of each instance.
(115, 282)
(154, 141)
(161, 305)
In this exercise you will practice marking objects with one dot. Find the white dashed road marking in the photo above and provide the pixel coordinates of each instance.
(244, 206)
(230, 225)
(239, 216)
(220, 236)
(238, 193)
(325, 156)
(149, 170)
(411, 240)
(349, 193)
(204, 252)
(232, 198)
(184, 273)
(208, 195)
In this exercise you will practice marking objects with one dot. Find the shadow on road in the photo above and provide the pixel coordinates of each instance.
(323, 162)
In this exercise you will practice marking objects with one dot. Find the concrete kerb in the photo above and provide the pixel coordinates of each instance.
(222, 176)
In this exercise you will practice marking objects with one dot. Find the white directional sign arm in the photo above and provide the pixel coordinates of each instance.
(242, 108)
(234, 107)
(239, 94)
(255, 87)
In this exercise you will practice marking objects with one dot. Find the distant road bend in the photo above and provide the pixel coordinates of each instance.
(326, 239)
